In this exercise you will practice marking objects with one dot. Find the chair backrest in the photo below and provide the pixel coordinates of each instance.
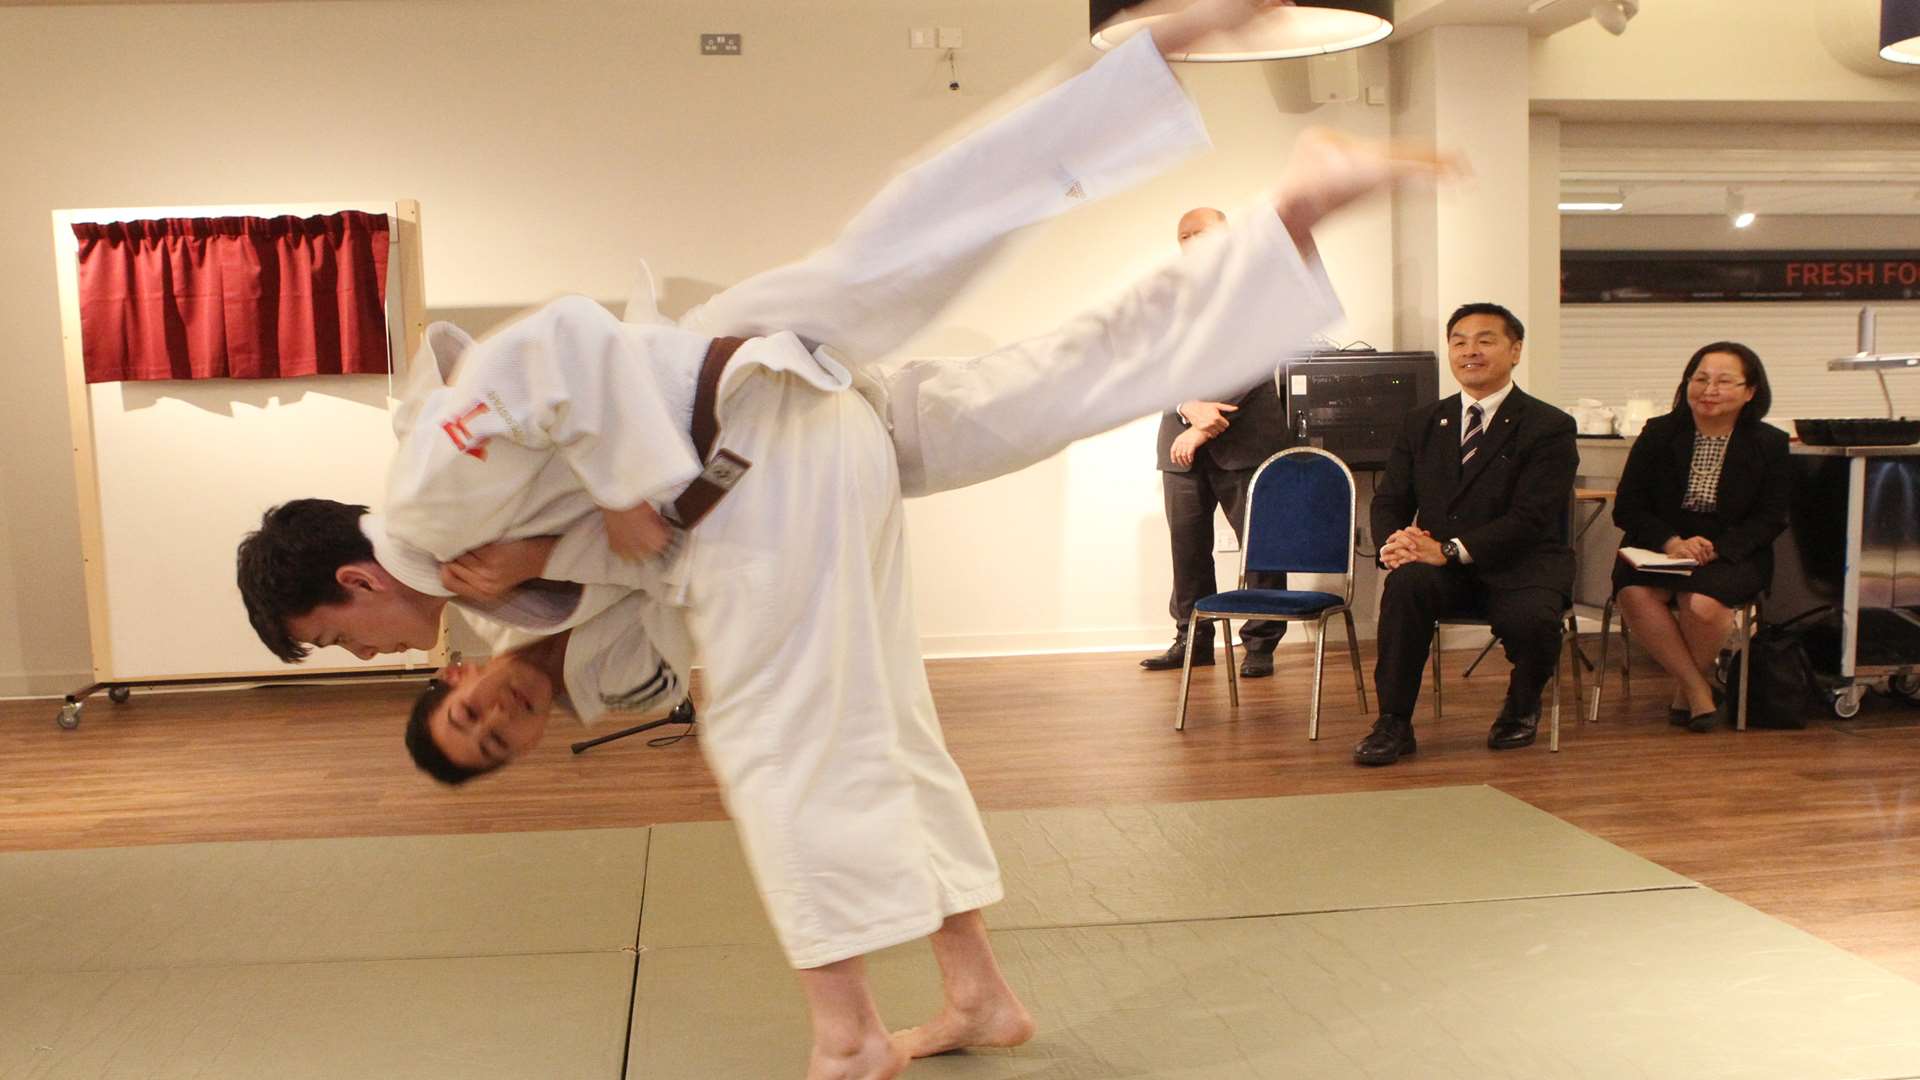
(1300, 516)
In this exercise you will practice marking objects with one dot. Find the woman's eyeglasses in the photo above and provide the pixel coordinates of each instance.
(1701, 382)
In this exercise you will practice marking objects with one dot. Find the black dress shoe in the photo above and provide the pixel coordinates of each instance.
(1257, 665)
(1390, 740)
(1176, 657)
(1514, 729)
(1677, 717)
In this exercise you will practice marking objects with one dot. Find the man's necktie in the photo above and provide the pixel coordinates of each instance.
(1470, 439)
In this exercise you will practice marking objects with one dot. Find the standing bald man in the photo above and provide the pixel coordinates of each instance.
(1208, 453)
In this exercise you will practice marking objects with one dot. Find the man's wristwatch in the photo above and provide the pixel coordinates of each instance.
(1451, 550)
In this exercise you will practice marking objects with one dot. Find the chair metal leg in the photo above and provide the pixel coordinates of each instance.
(1436, 671)
(1553, 728)
(1626, 655)
(1492, 640)
(1577, 658)
(1746, 666)
(1353, 650)
(1186, 674)
(1319, 667)
(1233, 670)
(1600, 673)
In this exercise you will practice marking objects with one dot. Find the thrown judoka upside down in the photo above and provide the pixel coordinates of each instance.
(792, 590)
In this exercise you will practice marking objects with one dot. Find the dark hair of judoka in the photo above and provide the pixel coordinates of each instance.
(420, 745)
(1514, 329)
(1751, 369)
(287, 566)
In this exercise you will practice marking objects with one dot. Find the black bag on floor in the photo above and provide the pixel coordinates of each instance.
(1785, 690)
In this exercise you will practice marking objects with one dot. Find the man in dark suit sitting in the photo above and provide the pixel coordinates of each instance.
(1208, 452)
(1473, 510)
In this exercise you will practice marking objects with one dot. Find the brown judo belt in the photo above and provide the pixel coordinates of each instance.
(724, 469)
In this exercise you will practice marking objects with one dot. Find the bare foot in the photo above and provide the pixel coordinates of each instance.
(1002, 1021)
(1330, 169)
(879, 1058)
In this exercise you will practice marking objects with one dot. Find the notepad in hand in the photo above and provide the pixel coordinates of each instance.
(1657, 562)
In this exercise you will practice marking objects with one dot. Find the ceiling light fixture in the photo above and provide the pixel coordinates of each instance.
(1593, 202)
(1613, 15)
(1737, 211)
(1900, 31)
(1306, 28)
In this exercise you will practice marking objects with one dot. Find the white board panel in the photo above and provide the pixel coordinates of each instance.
(185, 469)
(1616, 351)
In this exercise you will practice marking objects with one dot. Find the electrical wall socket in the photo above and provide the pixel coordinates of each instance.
(719, 44)
(949, 37)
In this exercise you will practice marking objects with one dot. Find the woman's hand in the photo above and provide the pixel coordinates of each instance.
(491, 571)
(1697, 548)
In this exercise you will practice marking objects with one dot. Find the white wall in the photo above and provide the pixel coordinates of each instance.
(1720, 59)
(553, 144)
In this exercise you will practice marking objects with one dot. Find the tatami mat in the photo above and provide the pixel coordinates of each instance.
(493, 1018)
(1202, 860)
(1680, 983)
(1441, 933)
(316, 900)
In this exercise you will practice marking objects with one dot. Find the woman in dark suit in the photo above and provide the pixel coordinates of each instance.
(1708, 481)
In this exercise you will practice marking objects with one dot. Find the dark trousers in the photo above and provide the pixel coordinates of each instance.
(1527, 621)
(1191, 498)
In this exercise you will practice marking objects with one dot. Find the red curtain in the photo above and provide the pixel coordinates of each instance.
(233, 297)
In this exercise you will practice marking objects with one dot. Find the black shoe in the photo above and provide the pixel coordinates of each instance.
(1514, 729)
(1721, 716)
(1390, 740)
(1176, 657)
(1677, 717)
(1257, 665)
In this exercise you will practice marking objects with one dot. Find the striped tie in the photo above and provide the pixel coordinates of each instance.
(1470, 439)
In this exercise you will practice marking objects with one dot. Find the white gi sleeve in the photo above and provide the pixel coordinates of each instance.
(1207, 325)
(567, 378)
(612, 666)
(935, 226)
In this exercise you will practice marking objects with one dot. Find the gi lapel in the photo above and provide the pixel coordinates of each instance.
(1499, 432)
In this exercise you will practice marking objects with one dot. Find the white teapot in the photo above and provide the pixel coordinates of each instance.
(1592, 417)
(1634, 416)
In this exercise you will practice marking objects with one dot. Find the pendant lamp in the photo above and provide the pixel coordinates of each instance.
(1900, 31)
(1308, 28)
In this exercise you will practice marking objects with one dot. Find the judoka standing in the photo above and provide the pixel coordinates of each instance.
(821, 731)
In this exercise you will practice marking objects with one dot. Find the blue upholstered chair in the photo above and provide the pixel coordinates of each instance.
(1299, 521)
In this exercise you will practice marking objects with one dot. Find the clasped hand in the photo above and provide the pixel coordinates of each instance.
(637, 534)
(491, 571)
(1411, 545)
(1698, 548)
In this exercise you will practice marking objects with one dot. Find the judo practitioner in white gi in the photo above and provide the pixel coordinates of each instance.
(793, 589)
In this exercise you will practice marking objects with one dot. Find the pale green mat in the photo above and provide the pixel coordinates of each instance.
(1437, 933)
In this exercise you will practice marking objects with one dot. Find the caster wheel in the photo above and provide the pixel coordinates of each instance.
(1846, 703)
(119, 694)
(69, 717)
(1906, 687)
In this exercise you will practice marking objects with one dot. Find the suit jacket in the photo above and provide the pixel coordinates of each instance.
(1755, 491)
(1256, 432)
(1509, 505)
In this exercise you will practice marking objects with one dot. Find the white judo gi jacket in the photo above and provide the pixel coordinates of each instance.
(859, 828)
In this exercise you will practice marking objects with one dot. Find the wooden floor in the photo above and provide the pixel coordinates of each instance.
(1820, 828)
